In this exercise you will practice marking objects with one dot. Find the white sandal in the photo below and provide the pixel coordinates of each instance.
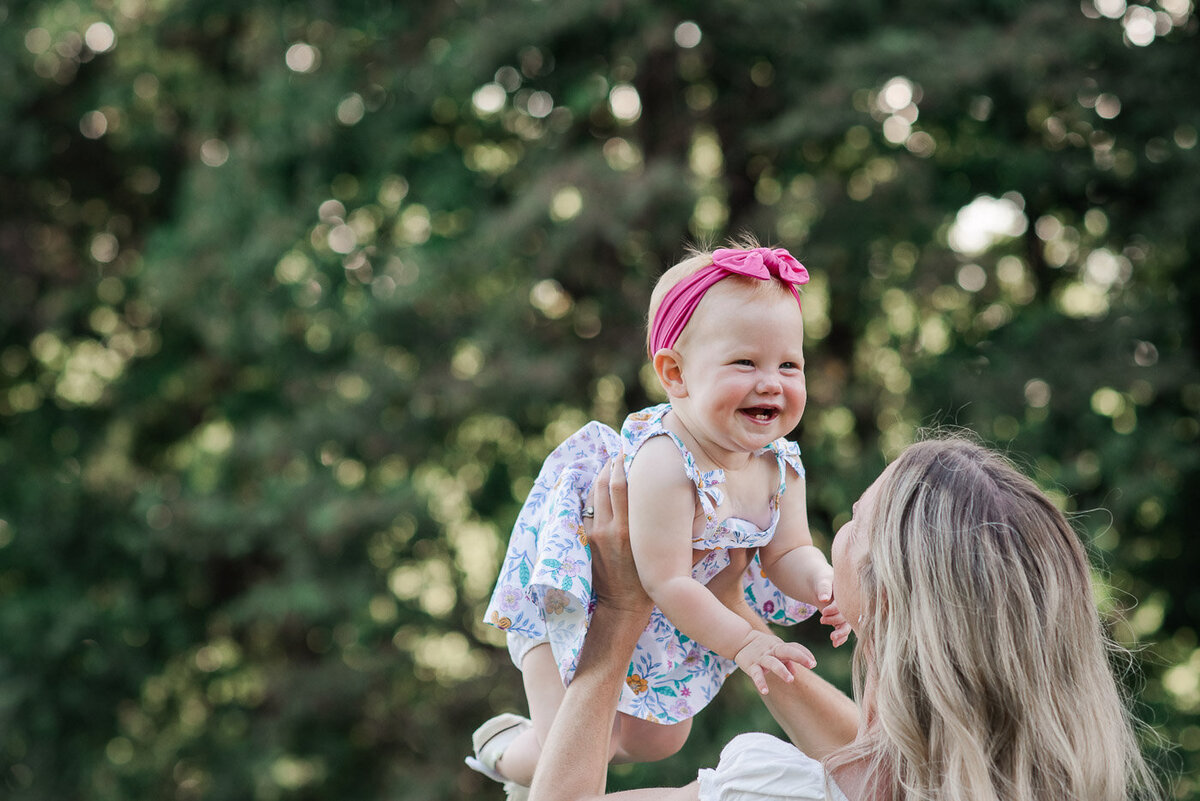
(490, 741)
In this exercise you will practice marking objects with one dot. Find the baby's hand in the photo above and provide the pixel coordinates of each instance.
(762, 652)
(822, 584)
(832, 616)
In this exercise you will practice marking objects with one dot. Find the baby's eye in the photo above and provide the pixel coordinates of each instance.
(792, 366)
(743, 362)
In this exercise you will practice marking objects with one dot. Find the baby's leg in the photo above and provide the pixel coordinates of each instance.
(637, 740)
(544, 692)
(633, 740)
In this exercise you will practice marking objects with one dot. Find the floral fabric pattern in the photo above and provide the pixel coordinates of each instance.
(544, 590)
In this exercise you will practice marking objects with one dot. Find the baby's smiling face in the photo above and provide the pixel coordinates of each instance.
(742, 357)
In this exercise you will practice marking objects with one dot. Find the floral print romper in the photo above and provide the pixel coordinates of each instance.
(544, 592)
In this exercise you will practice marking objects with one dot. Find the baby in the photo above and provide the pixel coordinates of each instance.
(708, 471)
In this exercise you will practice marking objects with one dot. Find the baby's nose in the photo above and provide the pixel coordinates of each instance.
(768, 382)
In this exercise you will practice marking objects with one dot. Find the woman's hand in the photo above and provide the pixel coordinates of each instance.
(574, 760)
(614, 573)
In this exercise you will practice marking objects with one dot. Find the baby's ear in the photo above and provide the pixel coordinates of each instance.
(668, 366)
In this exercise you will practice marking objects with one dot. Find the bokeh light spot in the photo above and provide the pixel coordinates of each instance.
(100, 37)
(93, 124)
(687, 34)
(972, 277)
(104, 247)
(38, 41)
(1108, 106)
(566, 204)
(625, 102)
(302, 57)
(896, 94)
(214, 152)
(539, 104)
(351, 109)
(985, 221)
(1140, 26)
(550, 298)
(489, 98)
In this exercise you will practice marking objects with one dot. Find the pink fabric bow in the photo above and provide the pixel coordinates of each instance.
(682, 299)
(762, 263)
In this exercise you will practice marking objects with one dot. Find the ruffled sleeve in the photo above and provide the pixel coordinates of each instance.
(759, 767)
(789, 455)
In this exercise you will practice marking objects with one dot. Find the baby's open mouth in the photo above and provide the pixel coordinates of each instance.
(763, 414)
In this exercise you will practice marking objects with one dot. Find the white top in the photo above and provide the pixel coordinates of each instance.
(759, 767)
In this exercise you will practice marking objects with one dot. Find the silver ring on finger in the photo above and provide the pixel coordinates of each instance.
(588, 512)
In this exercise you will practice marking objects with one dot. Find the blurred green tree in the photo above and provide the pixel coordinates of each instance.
(296, 297)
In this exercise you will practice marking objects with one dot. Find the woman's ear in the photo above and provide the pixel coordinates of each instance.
(668, 366)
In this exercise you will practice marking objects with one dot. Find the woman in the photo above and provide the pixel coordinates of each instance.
(981, 668)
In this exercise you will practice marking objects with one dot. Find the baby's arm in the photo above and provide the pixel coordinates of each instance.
(662, 504)
(795, 565)
(790, 560)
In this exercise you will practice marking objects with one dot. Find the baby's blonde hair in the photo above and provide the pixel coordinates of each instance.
(696, 259)
(981, 650)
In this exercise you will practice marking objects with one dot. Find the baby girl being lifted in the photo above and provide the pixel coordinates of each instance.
(708, 471)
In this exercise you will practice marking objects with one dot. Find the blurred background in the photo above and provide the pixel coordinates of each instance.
(295, 297)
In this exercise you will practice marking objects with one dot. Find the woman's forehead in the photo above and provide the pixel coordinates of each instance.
(871, 494)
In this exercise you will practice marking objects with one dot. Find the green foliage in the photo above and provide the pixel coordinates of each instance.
(297, 296)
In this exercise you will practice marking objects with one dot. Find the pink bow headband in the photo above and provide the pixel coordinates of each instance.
(682, 299)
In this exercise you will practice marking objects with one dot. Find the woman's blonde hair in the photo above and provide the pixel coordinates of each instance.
(982, 665)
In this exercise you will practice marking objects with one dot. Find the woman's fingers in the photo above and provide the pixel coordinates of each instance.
(617, 487)
(601, 500)
(609, 490)
(614, 574)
